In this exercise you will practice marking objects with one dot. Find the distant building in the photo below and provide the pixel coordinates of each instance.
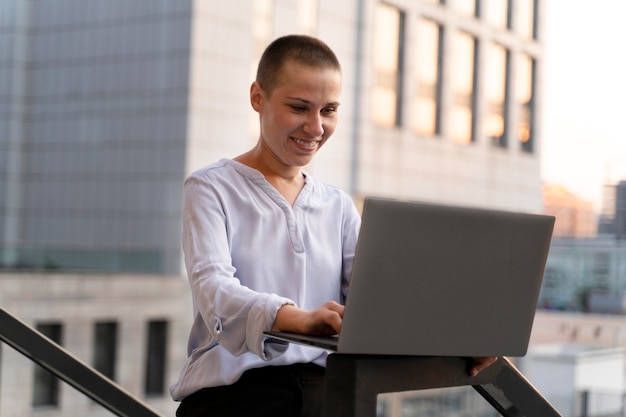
(106, 106)
(577, 362)
(613, 217)
(579, 380)
(586, 272)
(578, 267)
(575, 217)
(620, 211)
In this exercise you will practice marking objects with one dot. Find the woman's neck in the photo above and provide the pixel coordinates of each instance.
(287, 180)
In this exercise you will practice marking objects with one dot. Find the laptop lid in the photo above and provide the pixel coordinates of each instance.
(441, 280)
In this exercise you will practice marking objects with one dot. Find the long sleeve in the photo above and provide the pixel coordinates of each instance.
(234, 314)
(248, 252)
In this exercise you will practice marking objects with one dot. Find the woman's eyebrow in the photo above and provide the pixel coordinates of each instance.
(305, 101)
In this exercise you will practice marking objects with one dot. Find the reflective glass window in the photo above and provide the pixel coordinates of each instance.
(427, 101)
(387, 65)
(526, 18)
(308, 15)
(46, 385)
(462, 111)
(464, 7)
(495, 93)
(496, 12)
(105, 348)
(156, 357)
(525, 100)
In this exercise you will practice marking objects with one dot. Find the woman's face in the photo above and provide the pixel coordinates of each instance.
(299, 114)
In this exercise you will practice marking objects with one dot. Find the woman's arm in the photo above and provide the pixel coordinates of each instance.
(325, 320)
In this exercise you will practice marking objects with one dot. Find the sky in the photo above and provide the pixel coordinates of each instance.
(584, 96)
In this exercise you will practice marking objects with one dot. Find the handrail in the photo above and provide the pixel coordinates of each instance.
(68, 368)
(353, 383)
(509, 392)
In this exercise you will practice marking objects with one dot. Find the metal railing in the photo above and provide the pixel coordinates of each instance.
(68, 368)
(353, 382)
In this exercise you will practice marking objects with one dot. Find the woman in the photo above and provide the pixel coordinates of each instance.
(268, 247)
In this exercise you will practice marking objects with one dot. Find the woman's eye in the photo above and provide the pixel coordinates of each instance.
(298, 108)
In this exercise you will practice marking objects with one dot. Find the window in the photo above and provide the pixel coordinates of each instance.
(525, 101)
(261, 23)
(496, 66)
(308, 15)
(463, 100)
(156, 358)
(601, 268)
(526, 19)
(496, 13)
(388, 60)
(464, 7)
(105, 348)
(46, 384)
(620, 210)
(427, 101)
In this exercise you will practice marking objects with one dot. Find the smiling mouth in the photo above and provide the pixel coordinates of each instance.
(304, 143)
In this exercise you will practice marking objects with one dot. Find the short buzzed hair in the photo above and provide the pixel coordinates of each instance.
(302, 49)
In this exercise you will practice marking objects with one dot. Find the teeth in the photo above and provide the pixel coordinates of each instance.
(305, 143)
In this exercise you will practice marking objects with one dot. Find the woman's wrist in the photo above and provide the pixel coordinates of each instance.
(289, 318)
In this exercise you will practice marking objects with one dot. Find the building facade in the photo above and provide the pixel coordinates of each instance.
(575, 217)
(586, 271)
(131, 328)
(613, 217)
(106, 106)
(109, 107)
(577, 268)
(93, 134)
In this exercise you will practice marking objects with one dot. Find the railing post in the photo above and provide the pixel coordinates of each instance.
(353, 383)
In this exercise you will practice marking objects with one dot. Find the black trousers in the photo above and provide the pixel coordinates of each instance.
(272, 391)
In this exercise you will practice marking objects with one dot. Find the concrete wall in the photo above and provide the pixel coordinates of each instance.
(77, 302)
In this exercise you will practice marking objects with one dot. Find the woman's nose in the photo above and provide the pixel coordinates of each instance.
(314, 126)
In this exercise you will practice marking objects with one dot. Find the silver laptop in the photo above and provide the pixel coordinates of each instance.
(441, 281)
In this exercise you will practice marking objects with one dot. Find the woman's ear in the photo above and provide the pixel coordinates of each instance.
(256, 96)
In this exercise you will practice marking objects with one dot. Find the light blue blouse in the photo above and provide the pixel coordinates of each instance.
(247, 253)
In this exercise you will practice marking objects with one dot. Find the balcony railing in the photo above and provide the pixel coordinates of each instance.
(353, 381)
(68, 368)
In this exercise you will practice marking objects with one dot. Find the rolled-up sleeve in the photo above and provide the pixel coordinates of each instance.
(235, 316)
(248, 252)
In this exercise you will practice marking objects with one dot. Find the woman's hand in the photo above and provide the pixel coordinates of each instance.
(480, 363)
(327, 319)
(324, 320)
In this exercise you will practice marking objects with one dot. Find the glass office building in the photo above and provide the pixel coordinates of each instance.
(107, 105)
(93, 134)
